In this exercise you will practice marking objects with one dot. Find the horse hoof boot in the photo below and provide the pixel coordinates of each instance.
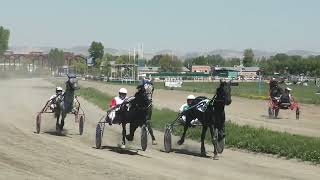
(215, 157)
(180, 142)
(129, 138)
(123, 146)
(203, 154)
(154, 142)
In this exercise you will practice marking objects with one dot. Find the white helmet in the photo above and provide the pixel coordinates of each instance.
(288, 89)
(191, 97)
(59, 88)
(123, 90)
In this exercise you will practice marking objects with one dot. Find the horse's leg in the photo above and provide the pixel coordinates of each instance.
(181, 141)
(215, 152)
(151, 132)
(221, 118)
(203, 136)
(132, 128)
(124, 133)
(57, 115)
(223, 124)
(149, 114)
(62, 120)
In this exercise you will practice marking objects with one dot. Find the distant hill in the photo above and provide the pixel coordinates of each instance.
(302, 53)
(226, 53)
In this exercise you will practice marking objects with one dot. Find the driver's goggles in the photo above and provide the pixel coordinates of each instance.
(189, 100)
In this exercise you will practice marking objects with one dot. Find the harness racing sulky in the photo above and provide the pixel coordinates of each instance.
(281, 99)
(136, 111)
(61, 104)
(209, 113)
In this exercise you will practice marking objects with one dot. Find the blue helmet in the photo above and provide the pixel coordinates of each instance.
(145, 81)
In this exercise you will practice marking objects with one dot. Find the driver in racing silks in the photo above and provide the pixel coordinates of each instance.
(185, 107)
(144, 81)
(55, 97)
(275, 90)
(286, 96)
(115, 102)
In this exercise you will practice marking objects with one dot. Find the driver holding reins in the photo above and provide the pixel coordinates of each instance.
(185, 107)
(115, 102)
(53, 98)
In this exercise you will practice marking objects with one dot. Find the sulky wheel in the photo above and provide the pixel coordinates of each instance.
(81, 124)
(297, 113)
(38, 123)
(98, 136)
(270, 112)
(167, 140)
(276, 113)
(144, 137)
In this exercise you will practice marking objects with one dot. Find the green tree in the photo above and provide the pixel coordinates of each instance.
(155, 61)
(170, 63)
(56, 58)
(4, 39)
(96, 51)
(80, 67)
(248, 57)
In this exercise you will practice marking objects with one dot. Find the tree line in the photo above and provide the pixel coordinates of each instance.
(281, 63)
(295, 65)
(4, 39)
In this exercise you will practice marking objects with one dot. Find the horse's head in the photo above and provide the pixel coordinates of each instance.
(145, 91)
(224, 92)
(72, 82)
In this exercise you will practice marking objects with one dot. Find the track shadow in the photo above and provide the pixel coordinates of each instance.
(190, 153)
(54, 133)
(271, 118)
(132, 152)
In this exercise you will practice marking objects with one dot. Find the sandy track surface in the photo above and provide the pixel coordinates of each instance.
(26, 155)
(241, 111)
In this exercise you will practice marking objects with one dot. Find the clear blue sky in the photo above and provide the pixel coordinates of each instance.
(184, 25)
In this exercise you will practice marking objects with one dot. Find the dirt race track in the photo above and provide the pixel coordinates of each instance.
(26, 155)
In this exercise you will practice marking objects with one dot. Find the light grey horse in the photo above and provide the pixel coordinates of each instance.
(65, 102)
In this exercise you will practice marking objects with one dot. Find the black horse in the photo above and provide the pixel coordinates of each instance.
(211, 115)
(65, 102)
(135, 111)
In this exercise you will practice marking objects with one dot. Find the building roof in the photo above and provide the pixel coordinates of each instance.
(248, 69)
(145, 68)
(239, 68)
(226, 68)
(184, 69)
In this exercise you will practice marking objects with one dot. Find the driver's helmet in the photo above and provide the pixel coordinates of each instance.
(288, 89)
(190, 99)
(122, 93)
(146, 80)
(59, 90)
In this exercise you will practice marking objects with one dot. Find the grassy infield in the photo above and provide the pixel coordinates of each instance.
(250, 90)
(243, 137)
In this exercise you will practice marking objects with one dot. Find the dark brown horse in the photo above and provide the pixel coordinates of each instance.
(211, 114)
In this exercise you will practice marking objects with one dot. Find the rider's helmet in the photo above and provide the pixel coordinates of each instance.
(59, 90)
(288, 89)
(123, 93)
(145, 80)
(190, 99)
